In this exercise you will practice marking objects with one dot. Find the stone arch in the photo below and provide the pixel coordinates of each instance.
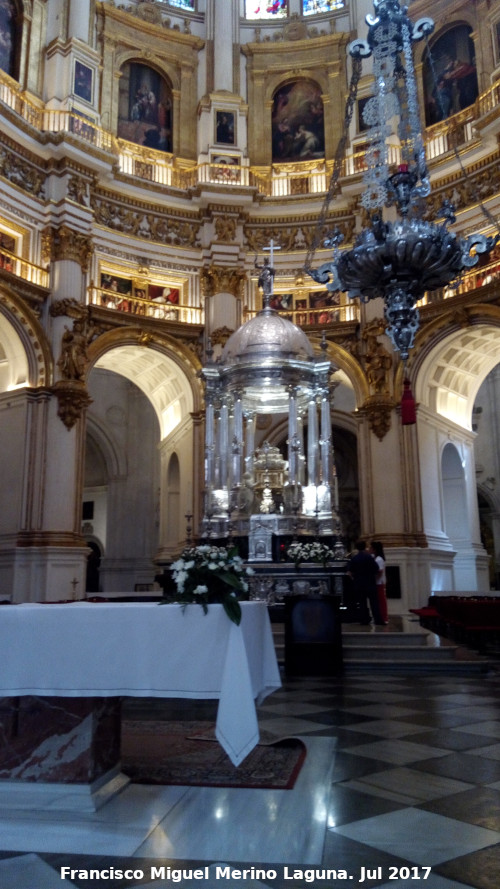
(112, 454)
(453, 355)
(174, 499)
(25, 342)
(454, 495)
(122, 350)
(165, 372)
(349, 370)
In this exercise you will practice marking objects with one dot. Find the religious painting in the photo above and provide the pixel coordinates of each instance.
(269, 9)
(145, 107)
(450, 75)
(161, 294)
(224, 127)
(78, 126)
(83, 82)
(224, 168)
(117, 289)
(8, 36)
(497, 42)
(282, 302)
(362, 125)
(314, 7)
(8, 243)
(166, 300)
(298, 131)
(323, 302)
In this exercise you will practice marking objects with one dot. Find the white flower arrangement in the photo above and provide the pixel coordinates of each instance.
(310, 552)
(208, 574)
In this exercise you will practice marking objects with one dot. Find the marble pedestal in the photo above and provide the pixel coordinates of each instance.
(59, 753)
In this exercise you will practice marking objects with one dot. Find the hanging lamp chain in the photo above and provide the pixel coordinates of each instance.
(337, 161)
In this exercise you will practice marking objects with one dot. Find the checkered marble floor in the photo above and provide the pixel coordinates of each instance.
(415, 785)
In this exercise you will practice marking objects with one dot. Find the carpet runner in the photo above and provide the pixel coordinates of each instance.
(187, 754)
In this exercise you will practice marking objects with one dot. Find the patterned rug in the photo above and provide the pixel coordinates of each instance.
(186, 753)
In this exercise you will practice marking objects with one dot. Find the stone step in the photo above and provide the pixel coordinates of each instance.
(394, 652)
(385, 651)
(450, 666)
(383, 638)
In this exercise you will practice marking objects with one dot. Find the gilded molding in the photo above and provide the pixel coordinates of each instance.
(144, 221)
(32, 335)
(222, 280)
(376, 359)
(225, 229)
(73, 400)
(378, 410)
(20, 172)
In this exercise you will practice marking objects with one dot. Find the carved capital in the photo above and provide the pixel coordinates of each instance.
(220, 336)
(73, 399)
(69, 307)
(65, 243)
(222, 280)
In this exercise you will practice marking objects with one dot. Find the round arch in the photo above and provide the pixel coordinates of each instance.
(348, 371)
(164, 371)
(24, 343)
(458, 355)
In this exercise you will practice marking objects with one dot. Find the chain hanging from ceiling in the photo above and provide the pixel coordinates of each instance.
(395, 259)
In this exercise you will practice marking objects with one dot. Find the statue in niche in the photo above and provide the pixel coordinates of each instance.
(378, 360)
(73, 361)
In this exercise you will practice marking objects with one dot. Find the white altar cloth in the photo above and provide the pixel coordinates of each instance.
(87, 649)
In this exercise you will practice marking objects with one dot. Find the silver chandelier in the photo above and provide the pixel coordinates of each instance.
(398, 260)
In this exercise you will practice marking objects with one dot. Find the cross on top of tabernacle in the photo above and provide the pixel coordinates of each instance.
(267, 273)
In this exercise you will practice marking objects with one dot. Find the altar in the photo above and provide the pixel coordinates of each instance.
(98, 653)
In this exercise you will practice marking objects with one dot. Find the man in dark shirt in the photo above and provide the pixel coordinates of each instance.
(363, 569)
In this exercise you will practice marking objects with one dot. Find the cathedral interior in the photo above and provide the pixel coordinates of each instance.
(158, 159)
(150, 154)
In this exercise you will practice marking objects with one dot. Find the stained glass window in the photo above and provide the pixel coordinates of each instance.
(267, 9)
(313, 7)
(184, 4)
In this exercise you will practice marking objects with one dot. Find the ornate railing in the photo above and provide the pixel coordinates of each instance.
(145, 308)
(472, 281)
(24, 269)
(277, 180)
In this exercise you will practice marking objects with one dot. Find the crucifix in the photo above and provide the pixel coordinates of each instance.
(266, 276)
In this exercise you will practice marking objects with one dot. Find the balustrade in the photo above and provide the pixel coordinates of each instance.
(133, 305)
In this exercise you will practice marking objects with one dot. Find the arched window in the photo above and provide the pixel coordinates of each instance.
(8, 36)
(268, 9)
(450, 76)
(145, 107)
(314, 7)
(298, 130)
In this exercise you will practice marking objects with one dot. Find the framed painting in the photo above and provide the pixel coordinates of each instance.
(145, 107)
(83, 82)
(298, 122)
(225, 127)
(450, 76)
